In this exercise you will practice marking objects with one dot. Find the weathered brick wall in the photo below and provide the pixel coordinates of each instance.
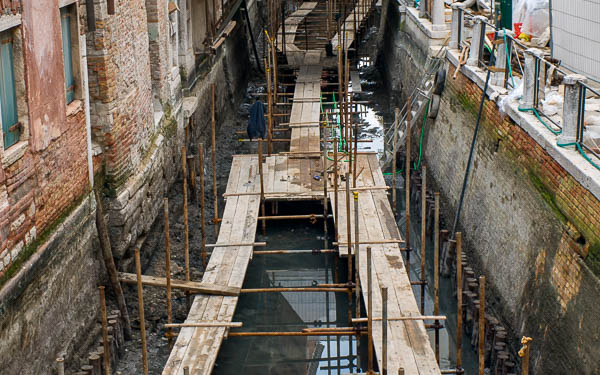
(120, 87)
(38, 184)
(159, 36)
(528, 226)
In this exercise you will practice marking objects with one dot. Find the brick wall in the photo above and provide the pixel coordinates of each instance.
(47, 172)
(528, 225)
(120, 87)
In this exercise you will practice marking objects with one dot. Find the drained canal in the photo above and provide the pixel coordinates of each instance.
(298, 311)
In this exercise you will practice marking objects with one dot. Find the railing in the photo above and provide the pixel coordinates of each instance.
(10, 7)
(536, 76)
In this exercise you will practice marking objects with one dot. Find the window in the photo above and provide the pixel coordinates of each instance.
(65, 21)
(8, 95)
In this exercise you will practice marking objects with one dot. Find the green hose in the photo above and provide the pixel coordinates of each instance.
(576, 144)
(535, 112)
(417, 165)
(508, 60)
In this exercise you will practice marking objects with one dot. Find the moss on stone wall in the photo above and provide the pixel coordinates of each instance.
(30, 249)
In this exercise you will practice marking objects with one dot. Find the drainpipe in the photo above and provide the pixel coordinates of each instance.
(86, 93)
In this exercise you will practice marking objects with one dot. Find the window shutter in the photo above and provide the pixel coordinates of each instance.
(8, 96)
(65, 20)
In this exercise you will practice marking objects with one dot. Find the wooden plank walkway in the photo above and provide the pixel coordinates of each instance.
(408, 342)
(350, 26)
(290, 176)
(283, 180)
(196, 347)
(294, 54)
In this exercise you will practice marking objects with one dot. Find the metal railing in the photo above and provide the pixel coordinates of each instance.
(538, 75)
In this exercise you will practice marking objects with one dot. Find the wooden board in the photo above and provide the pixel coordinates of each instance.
(197, 347)
(190, 286)
(294, 55)
(351, 24)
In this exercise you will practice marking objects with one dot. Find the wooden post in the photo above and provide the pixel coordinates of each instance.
(384, 330)
(202, 215)
(355, 150)
(193, 178)
(394, 160)
(269, 110)
(185, 224)
(168, 271)
(423, 233)
(436, 273)
(524, 353)
(262, 188)
(481, 338)
(335, 187)
(214, 159)
(138, 268)
(356, 255)
(109, 263)
(60, 366)
(349, 242)
(459, 332)
(325, 198)
(104, 331)
(370, 309)
(407, 188)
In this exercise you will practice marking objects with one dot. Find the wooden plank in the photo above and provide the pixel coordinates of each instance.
(355, 79)
(190, 286)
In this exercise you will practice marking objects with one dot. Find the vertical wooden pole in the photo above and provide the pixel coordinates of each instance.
(524, 353)
(349, 241)
(423, 234)
(384, 322)
(348, 109)
(109, 263)
(168, 271)
(262, 188)
(104, 331)
(481, 338)
(60, 366)
(214, 158)
(193, 178)
(269, 110)
(394, 160)
(138, 268)
(370, 310)
(202, 214)
(436, 273)
(356, 256)
(459, 329)
(407, 188)
(325, 198)
(355, 147)
(185, 225)
(335, 186)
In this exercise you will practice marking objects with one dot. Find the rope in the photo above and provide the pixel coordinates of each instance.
(417, 165)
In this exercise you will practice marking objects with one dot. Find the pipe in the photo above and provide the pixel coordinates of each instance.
(474, 140)
(86, 98)
(252, 38)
